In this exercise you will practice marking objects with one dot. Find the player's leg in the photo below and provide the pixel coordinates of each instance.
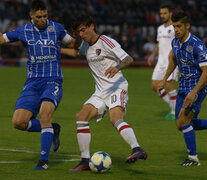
(50, 98)
(172, 92)
(83, 135)
(26, 110)
(157, 76)
(46, 112)
(183, 123)
(116, 117)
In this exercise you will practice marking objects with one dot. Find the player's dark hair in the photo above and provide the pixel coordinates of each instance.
(38, 5)
(180, 16)
(167, 6)
(82, 19)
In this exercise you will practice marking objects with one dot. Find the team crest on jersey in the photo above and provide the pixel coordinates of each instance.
(189, 49)
(98, 52)
(51, 28)
(169, 31)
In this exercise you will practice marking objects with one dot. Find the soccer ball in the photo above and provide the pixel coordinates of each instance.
(100, 162)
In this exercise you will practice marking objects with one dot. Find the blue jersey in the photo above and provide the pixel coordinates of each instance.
(190, 57)
(43, 48)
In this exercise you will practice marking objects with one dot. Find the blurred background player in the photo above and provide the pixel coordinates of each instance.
(105, 58)
(190, 54)
(42, 90)
(165, 34)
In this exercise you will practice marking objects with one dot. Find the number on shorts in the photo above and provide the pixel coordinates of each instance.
(113, 99)
(56, 90)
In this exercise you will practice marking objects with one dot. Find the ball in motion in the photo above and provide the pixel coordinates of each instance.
(100, 162)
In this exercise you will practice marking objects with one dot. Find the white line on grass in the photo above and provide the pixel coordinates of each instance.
(30, 161)
(33, 152)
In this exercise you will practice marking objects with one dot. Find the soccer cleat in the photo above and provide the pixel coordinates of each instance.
(190, 162)
(42, 165)
(170, 116)
(82, 166)
(138, 153)
(56, 140)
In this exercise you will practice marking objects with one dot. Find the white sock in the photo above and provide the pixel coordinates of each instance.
(127, 133)
(84, 138)
(173, 97)
(164, 95)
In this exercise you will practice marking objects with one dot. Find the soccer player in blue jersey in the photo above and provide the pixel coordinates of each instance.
(190, 54)
(42, 90)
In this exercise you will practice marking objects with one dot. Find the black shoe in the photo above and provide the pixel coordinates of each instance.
(42, 165)
(138, 153)
(190, 162)
(82, 166)
(56, 140)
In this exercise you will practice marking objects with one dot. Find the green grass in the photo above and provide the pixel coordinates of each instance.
(145, 113)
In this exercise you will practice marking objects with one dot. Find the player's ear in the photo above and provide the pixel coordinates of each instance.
(31, 14)
(188, 25)
(92, 26)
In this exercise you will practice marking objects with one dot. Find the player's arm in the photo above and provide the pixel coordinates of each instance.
(111, 71)
(171, 67)
(201, 83)
(154, 53)
(70, 52)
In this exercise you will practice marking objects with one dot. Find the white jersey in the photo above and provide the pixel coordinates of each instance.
(165, 35)
(105, 52)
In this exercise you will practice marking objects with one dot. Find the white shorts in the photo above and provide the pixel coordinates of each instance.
(105, 102)
(159, 73)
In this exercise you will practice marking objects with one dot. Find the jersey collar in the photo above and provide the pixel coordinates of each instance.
(32, 22)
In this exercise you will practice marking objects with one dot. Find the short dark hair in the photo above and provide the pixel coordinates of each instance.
(180, 16)
(167, 6)
(83, 19)
(38, 5)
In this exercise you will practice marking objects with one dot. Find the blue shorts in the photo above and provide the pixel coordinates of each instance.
(196, 107)
(37, 90)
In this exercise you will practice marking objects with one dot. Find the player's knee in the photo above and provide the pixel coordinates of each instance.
(154, 87)
(18, 123)
(80, 117)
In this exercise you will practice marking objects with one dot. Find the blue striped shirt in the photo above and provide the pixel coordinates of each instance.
(43, 48)
(190, 57)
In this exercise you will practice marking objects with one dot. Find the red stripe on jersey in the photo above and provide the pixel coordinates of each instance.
(173, 97)
(122, 97)
(107, 41)
(83, 131)
(124, 127)
(163, 94)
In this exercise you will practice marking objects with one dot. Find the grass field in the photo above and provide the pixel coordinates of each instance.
(19, 151)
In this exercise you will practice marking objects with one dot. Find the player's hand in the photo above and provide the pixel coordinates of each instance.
(150, 60)
(160, 86)
(111, 71)
(189, 99)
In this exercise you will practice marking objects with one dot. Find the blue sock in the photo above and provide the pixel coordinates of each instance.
(199, 124)
(46, 142)
(34, 125)
(189, 136)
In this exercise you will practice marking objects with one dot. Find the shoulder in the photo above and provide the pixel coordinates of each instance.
(108, 42)
(55, 24)
(160, 27)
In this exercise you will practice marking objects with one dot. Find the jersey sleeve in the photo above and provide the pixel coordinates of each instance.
(113, 46)
(63, 35)
(13, 35)
(201, 53)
